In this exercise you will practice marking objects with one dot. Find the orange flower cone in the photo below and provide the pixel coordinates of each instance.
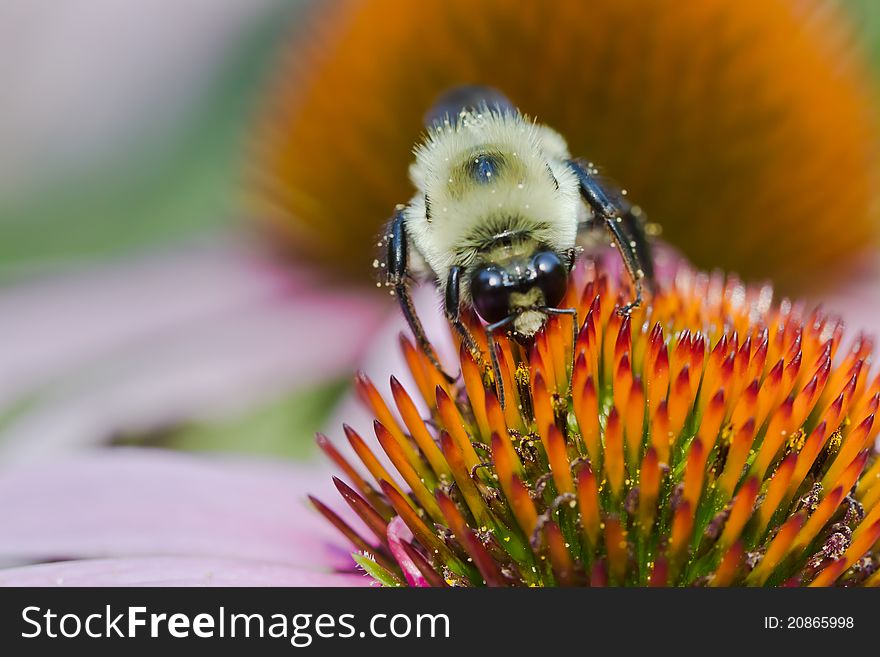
(745, 129)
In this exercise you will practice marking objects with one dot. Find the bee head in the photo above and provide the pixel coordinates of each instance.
(519, 286)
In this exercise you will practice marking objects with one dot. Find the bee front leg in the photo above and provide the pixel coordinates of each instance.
(452, 305)
(398, 277)
(626, 226)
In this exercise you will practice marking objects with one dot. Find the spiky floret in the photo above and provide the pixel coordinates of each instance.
(712, 438)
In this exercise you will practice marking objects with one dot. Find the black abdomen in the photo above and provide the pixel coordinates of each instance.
(468, 97)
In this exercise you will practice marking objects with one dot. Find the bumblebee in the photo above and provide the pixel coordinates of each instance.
(496, 221)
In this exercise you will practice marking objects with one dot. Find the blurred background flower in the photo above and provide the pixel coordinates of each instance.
(187, 186)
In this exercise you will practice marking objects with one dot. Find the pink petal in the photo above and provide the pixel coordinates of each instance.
(136, 345)
(137, 502)
(397, 533)
(172, 571)
(857, 299)
(74, 108)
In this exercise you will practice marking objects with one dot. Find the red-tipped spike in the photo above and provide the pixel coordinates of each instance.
(468, 540)
(617, 548)
(740, 512)
(417, 428)
(614, 461)
(649, 488)
(586, 410)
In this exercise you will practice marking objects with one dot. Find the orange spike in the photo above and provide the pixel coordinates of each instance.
(614, 461)
(713, 416)
(770, 393)
(462, 476)
(697, 356)
(804, 401)
(790, 374)
(622, 382)
(680, 537)
(588, 344)
(775, 490)
(512, 412)
(407, 471)
(579, 376)
(547, 367)
(661, 433)
(368, 458)
(740, 512)
(740, 445)
(850, 475)
(481, 558)
(617, 548)
(726, 381)
(726, 571)
(659, 573)
(869, 481)
(506, 462)
(522, 506)
(414, 364)
(560, 466)
(758, 360)
(872, 517)
(410, 517)
(658, 380)
(694, 472)
(381, 412)
(586, 411)
(777, 432)
(555, 352)
(853, 443)
(655, 341)
(588, 501)
(476, 392)
(342, 463)
(680, 354)
(680, 400)
(543, 407)
(747, 405)
(871, 496)
(834, 412)
(434, 378)
(495, 416)
(712, 372)
(806, 457)
(560, 559)
(454, 425)
(777, 549)
(413, 421)
(649, 488)
(634, 421)
(818, 519)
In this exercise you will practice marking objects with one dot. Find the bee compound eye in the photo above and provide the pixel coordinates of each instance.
(490, 295)
(551, 276)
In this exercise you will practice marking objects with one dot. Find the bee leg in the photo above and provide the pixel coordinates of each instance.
(626, 226)
(398, 243)
(496, 367)
(452, 304)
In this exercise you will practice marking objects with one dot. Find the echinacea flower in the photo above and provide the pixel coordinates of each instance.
(713, 438)
(745, 129)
